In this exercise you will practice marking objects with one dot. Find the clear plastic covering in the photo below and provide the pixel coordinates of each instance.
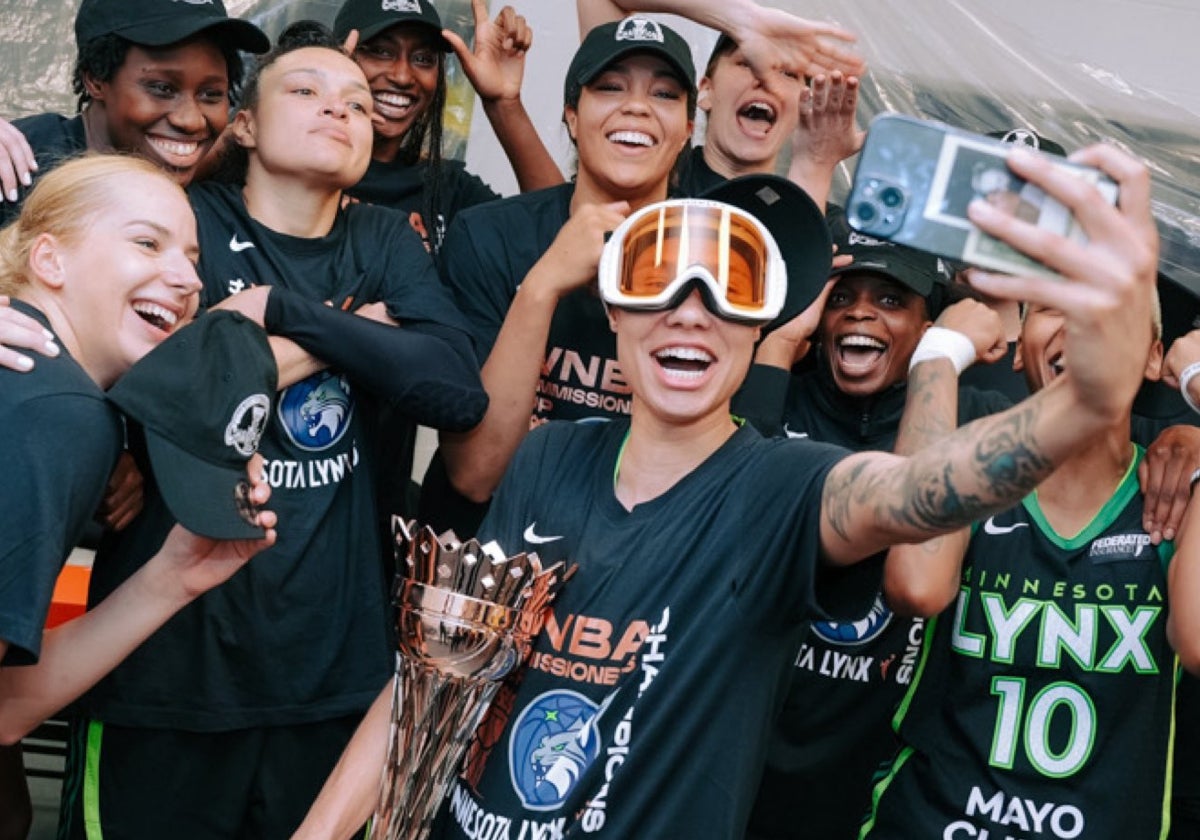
(1073, 71)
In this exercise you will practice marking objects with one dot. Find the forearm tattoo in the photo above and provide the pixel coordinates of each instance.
(984, 467)
(931, 409)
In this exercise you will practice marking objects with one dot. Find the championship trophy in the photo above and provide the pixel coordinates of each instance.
(467, 615)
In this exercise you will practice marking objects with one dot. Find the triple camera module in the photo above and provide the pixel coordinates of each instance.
(880, 208)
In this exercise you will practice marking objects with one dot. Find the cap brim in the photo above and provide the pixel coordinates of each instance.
(200, 495)
(368, 32)
(586, 75)
(240, 34)
(799, 229)
(909, 277)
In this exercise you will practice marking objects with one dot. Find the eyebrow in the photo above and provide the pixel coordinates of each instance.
(321, 74)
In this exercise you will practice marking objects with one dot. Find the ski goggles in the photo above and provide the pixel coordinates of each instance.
(661, 252)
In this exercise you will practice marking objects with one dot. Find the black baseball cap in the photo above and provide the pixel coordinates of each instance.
(156, 23)
(798, 227)
(203, 397)
(370, 17)
(610, 41)
(919, 271)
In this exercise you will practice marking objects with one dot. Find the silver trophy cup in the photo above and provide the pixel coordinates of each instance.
(467, 615)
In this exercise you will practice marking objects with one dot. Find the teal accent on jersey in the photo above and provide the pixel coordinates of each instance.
(91, 782)
(1048, 685)
(1127, 488)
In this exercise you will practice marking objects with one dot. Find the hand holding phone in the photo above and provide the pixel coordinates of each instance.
(916, 178)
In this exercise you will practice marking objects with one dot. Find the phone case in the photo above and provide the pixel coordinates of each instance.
(915, 178)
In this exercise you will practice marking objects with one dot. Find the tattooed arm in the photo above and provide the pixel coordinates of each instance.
(874, 500)
(922, 579)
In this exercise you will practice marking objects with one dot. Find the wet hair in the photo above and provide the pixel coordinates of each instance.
(103, 56)
(65, 203)
(303, 34)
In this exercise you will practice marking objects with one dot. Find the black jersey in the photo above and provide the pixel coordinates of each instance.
(53, 138)
(693, 174)
(407, 188)
(301, 634)
(644, 708)
(1043, 698)
(835, 729)
(61, 442)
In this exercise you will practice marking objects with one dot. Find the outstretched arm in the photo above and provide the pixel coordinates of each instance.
(871, 501)
(922, 579)
(772, 40)
(496, 68)
(77, 654)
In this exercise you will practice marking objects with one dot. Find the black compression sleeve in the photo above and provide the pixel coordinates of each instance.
(430, 376)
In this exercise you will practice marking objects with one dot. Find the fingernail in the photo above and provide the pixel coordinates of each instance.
(49, 335)
(24, 363)
(51, 348)
(13, 195)
(26, 178)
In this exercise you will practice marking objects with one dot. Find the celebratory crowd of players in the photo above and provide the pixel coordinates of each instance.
(807, 603)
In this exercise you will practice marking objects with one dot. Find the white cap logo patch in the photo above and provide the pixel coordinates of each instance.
(245, 428)
(1022, 137)
(402, 6)
(640, 29)
(856, 238)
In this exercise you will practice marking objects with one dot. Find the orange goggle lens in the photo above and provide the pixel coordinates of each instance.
(664, 246)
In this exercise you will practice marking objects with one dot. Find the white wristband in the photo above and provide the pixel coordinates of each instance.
(941, 343)
(1189, 373)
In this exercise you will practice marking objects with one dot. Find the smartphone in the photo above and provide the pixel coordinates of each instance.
(915, 178)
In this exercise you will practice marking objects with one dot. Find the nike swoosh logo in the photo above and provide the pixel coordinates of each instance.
(990, 527)
(792, 434)
(531, 536)
(238, 247)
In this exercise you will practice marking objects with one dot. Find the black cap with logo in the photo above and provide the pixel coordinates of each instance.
(797, 226)
(1028, 138)
(370, 17)
(610, 41)
(919, 271)
(156, 23)
(203, 397)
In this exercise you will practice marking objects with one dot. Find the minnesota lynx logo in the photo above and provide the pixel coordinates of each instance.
(315, 413)
(552, 743)
(402, 6)
(639, 29)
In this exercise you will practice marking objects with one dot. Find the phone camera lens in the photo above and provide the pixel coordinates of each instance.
(865, 211)
(891, 197)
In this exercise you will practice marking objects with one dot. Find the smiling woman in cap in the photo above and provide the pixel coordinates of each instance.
(154, 77)
(102, 258)
(520, 267)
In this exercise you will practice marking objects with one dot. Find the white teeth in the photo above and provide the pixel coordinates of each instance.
(636, 138)
(759, 111)
(1058, 364)
(396, 100)
(685, 354)
(861, 341)
(175, 147)
(160, 313)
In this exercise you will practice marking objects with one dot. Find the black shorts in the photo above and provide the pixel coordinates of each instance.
(251, 784)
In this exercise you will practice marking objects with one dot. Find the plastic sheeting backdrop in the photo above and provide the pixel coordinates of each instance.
(1074, 71)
